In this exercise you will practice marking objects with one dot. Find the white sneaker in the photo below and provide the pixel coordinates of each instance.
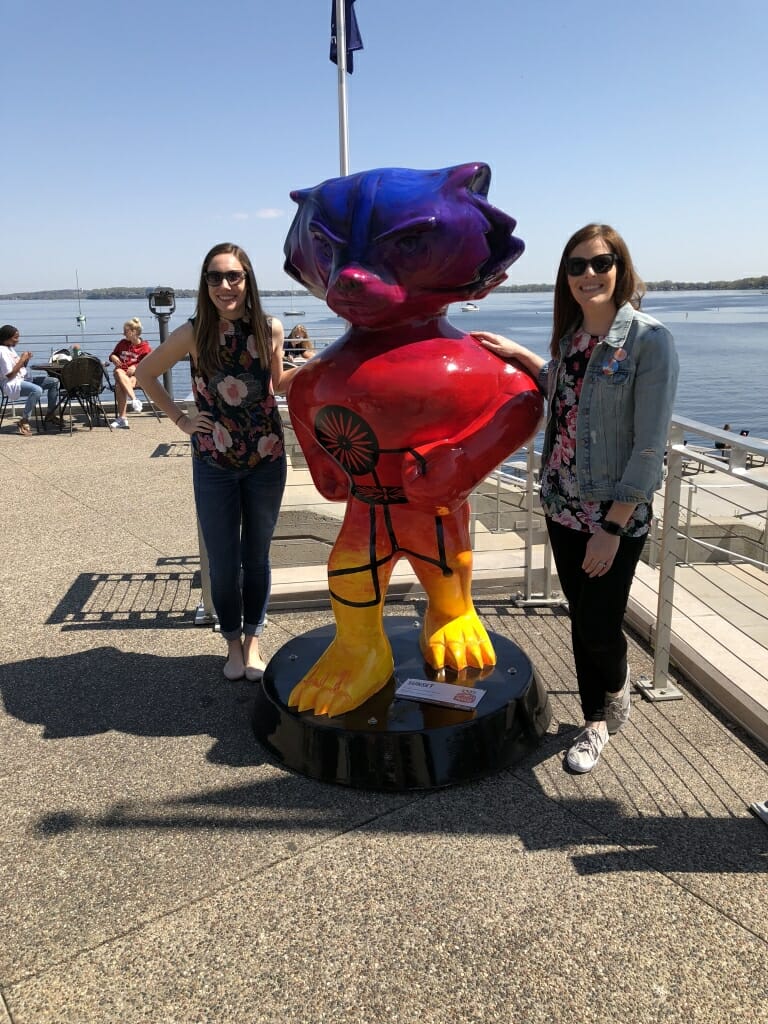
(121, 423)
(585, 752)
(617, 707)
(136, 405)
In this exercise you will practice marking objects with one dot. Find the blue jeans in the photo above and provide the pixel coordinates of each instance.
(238, 510)
(32, 388)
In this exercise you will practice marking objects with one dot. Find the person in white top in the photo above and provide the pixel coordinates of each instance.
(17, 382)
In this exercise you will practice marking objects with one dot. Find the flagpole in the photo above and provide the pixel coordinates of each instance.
(341, 62)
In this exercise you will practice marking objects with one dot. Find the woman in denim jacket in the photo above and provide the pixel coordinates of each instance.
(610, 386)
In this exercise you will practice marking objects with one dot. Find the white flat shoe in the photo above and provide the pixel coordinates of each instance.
(254, 673)
(232, 674)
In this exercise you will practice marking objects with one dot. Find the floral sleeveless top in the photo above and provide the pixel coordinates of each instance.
(559, 483)
(246, 420)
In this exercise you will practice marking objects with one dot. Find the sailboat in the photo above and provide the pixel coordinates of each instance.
(292, 311)
(80, 318)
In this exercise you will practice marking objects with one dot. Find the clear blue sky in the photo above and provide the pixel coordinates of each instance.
(136, 135)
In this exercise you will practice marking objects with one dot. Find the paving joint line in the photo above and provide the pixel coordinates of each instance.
(140, 926)
(672, 879)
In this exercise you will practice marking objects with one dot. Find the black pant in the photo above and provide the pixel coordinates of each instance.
(597, 606)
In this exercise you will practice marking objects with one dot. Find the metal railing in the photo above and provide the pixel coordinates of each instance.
(102, 343)
(713, 553)
(707, 549)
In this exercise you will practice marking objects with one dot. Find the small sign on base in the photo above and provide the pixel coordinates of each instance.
(448, 695)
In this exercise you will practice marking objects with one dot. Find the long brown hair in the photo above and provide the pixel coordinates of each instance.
(567, 312)
(207, 317)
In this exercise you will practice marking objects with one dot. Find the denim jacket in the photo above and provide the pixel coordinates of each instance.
(624, 414)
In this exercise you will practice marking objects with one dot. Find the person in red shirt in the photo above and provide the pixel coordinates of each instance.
(126, 357)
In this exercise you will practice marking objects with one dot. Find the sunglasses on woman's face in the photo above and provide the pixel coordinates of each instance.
(215, 277)
(576, 265)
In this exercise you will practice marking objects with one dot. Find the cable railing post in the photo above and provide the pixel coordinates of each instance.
(205, 614)
(688, 522)
(662, 687)
(528, 600)
(529, 471)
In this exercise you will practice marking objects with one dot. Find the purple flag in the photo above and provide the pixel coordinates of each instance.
(352, 31)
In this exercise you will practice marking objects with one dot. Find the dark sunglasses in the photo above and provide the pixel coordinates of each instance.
(215, 277)
(576, 265)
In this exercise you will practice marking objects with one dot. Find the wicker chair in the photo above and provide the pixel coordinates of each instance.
(83, 380)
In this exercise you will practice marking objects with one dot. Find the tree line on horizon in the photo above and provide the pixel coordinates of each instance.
(742, 284)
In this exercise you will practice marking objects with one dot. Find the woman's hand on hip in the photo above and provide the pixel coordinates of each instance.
(196, 423)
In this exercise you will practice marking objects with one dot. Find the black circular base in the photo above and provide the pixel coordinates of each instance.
(391, 743)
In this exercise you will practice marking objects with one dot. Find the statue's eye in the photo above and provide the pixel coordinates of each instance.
(409, 245)
(323, 248)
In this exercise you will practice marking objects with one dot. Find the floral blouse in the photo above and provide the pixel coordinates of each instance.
(246, 420)
(559, 484)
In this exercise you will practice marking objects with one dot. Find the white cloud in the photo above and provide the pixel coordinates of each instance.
(269, 213)
(241, 216)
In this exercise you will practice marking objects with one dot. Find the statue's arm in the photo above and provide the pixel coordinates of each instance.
(441, 475)
(327, 475)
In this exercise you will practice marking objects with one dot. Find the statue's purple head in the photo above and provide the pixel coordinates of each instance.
(390, 245)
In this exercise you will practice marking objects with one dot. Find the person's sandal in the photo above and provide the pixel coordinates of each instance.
(24, 427)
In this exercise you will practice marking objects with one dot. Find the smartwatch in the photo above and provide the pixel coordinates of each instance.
(609, 526)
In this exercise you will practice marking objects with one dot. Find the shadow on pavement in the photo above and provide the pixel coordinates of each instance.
(105, 689)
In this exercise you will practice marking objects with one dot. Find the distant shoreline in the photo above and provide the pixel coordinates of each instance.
(743, 284)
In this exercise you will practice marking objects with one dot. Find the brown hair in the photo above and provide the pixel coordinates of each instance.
(207, 317)
(567, 313)
(7, 331)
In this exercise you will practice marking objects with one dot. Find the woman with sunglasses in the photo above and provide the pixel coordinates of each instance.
(238, 466)
(610, 383)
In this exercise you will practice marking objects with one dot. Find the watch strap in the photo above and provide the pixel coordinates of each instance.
(611, 527)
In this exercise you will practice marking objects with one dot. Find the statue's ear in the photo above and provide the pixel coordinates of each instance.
(473, 177)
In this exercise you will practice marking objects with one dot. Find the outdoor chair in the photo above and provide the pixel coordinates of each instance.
(13, 402)
(110, 383)
(82, 379)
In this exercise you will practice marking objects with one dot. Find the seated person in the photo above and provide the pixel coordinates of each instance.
(127, 355)
(721, 444)
(18, 382)
(298, 347)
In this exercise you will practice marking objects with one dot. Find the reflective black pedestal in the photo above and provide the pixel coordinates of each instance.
(394, 744)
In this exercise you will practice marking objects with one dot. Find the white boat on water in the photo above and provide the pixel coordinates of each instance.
(469, 307)
(293, 311)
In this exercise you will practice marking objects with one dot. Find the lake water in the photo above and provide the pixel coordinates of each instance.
(720, 336)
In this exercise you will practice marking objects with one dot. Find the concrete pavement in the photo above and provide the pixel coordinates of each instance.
(157, 866)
